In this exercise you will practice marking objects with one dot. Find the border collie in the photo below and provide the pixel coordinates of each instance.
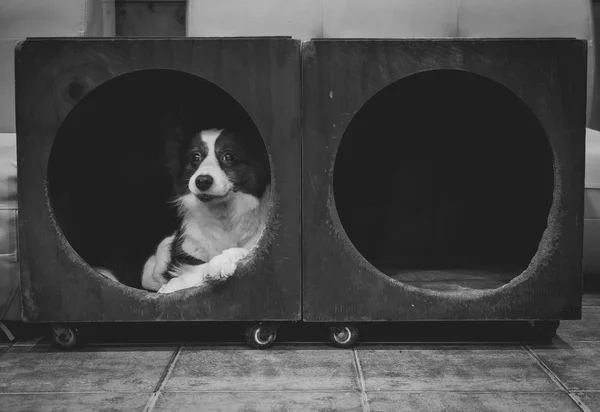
(223, 194)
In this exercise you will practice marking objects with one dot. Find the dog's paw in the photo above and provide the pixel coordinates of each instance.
(224, 265)
(235, 253)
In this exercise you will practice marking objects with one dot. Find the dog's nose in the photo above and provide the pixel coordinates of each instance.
(203, 182)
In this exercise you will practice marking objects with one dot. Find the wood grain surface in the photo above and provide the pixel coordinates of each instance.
(430, 157)
(88, 154)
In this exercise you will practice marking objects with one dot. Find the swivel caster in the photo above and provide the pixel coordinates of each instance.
(546, 328)
(65, 337)
(343, 336)
(261, 335)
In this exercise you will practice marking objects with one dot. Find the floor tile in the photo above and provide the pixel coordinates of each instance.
(577, 364)
(281, 368)
(471, 402)
(452, 368)
(590, 399)
(259, 401)
(95, 369)
(586, 329)
(76, 402)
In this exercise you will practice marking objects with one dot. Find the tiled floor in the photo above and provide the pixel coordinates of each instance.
(376, 376)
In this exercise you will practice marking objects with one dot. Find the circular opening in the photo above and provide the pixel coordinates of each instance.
(444, 180)
(109, 178)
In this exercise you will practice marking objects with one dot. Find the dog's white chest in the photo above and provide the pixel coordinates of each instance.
(206, 239)
(208, 232)
(204, 242)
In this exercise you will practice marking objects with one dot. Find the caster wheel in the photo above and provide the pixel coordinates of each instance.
(65, 337)
(261, 336)
(343, 336)
(546, 328)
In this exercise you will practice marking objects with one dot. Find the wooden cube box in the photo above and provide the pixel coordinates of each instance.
(443, 179)
(92, 184)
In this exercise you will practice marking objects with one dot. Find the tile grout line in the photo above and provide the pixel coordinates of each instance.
(364, 399)
(8, 346)
(576, 399)
(163, 381)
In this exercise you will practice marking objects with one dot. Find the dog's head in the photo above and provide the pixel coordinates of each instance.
(214, 165)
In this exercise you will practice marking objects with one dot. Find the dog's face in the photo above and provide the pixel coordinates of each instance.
(214, 165)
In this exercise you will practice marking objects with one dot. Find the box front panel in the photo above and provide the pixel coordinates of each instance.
(96, 186)
(442, 179)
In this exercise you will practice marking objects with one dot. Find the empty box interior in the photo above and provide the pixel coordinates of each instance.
(444, 180)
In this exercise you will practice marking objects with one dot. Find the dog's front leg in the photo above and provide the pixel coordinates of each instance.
(220, 267)
(190, 277)
(224, 264)
(156, 265)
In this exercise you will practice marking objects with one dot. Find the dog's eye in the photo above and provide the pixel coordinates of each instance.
(228, 157)
(196, 157)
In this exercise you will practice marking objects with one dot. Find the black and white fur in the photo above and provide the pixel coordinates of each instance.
(222, 182)
(223, 194)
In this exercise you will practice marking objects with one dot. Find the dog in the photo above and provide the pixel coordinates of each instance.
(222, 187)
(223, 193)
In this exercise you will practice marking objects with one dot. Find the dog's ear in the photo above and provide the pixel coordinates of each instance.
(256, 145)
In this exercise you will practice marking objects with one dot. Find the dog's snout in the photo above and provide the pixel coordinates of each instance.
(204, 182)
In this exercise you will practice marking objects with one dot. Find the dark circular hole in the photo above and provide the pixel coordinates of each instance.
(444, 180)
(109, 186)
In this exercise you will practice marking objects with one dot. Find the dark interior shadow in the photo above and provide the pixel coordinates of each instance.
(108, 182)
(444, 180)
